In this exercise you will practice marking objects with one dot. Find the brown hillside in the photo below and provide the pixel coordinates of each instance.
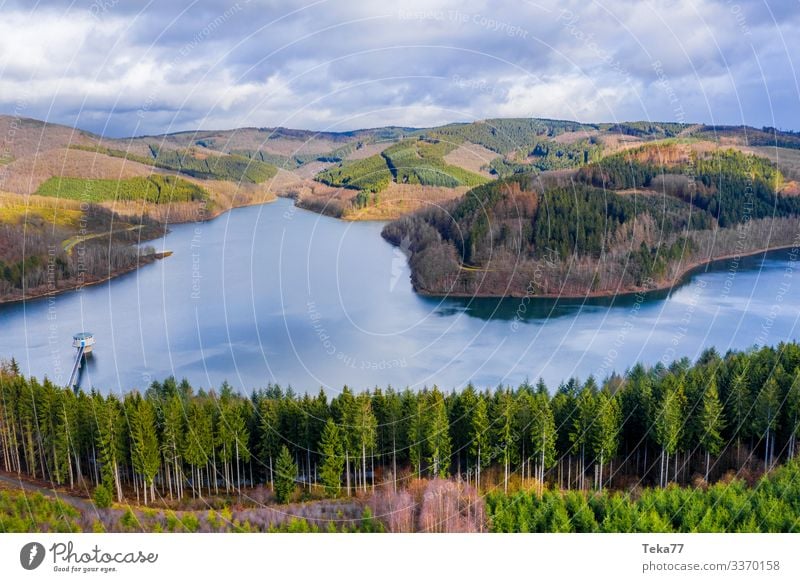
(25, 137)
(368, 150)
(26, 174)
(239, 139)
(471, 157)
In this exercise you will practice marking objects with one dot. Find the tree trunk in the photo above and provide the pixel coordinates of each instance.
(478, 471)
(646, 472)
(601, 472)
(271, 482)
(347, 470)
(541, 468)
(69, 467)
(675, 462)
(738, 454)
(394, 460)
(117, 483)
(238, 470)
(569, 472)
(505, 474)
(308, 466)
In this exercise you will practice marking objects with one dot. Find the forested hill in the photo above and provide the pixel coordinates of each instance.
(632, 221)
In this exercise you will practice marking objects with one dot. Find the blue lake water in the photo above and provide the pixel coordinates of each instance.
(277, 294)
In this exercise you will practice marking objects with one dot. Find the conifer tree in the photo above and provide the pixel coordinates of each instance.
(793, 413)
(199, 442)
(738, 404)
(437, 434)
(480, 438)
(606, 433)
(366, 430)
(505, 433)
(669, 421)
(285, 476)
(711, 423)
(332, 458)
(765, 417)
(144, 443)
(583, 426)
(108, 415)
(173, 432)
(543, 436)
(270, 440)
(416, 433)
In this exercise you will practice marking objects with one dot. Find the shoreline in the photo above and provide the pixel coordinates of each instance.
(665, 286)
(78, 286)
(155, 256)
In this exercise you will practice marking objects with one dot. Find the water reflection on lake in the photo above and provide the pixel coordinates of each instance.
(277, 294)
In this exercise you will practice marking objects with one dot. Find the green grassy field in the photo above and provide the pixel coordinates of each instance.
(157, 189)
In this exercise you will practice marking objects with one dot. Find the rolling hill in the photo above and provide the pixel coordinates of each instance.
(624, 205)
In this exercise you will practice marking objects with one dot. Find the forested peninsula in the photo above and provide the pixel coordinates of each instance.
(635, 221)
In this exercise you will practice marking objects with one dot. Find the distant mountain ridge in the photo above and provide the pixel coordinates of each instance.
(389, 173)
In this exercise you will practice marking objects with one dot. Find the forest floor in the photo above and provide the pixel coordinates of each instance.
(15, 482)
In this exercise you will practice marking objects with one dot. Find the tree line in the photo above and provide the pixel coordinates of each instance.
(654, 425)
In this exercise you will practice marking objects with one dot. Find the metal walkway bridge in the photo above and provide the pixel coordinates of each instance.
(77, 367)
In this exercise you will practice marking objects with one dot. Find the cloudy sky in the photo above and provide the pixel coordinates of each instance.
(116, 67)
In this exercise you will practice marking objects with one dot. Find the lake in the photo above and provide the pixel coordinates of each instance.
(277, 294)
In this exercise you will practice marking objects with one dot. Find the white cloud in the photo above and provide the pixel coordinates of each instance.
(351, 63)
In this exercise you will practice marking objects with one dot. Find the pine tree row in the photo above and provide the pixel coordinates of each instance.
(654, 425)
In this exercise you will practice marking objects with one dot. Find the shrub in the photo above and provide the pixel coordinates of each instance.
(103, 496)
